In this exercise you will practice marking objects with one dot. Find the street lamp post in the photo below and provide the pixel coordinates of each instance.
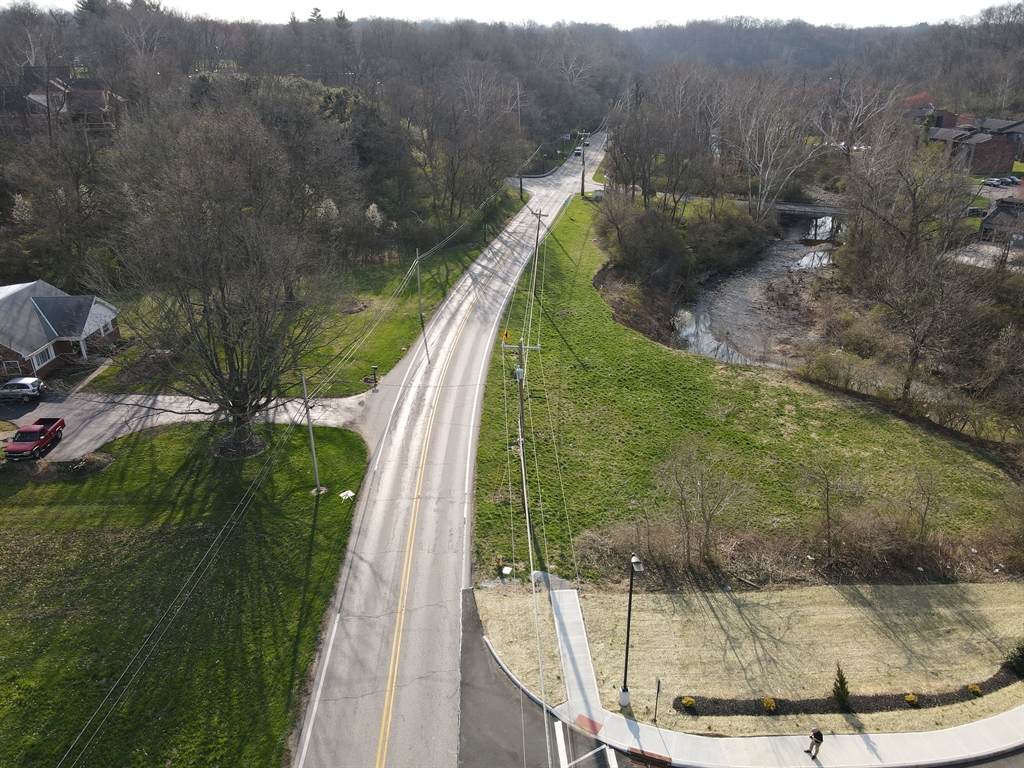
(635, 567)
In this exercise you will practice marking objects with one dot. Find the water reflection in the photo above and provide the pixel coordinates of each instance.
(732, 314)
(693, 333)
(813, 260)
(820, 230)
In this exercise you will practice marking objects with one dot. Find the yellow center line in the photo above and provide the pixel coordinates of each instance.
(403, 594)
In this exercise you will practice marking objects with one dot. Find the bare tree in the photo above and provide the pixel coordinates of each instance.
(902, 243)
(456, 125)
(217, 270)
(702, 489)
(849, 106)
(829, 480)
(689, 98)
(766, 135)
(923, 504)
(638, 138)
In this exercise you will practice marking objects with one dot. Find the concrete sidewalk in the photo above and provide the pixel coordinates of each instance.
(985, 738)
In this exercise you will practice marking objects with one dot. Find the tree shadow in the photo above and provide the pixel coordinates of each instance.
(895, 613)
(304, 605)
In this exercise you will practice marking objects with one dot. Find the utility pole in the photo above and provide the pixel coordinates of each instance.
(312, 446)
(536, 246)
(583, 171)
(583, 175)
(520, 374)
(419, 297)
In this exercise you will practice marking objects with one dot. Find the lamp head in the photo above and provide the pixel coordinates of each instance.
(637, 565)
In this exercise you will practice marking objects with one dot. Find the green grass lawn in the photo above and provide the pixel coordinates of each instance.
(370, 286)
(88, 566)
(614, 404)
(399, 331)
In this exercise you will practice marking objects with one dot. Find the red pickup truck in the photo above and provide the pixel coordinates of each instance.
(30, 441)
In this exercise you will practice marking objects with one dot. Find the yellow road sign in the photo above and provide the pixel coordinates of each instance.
(506, 336)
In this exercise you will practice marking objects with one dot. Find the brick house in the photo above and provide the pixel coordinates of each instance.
(988, 154)
(40, 325)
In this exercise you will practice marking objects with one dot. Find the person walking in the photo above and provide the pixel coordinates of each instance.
(816, 739)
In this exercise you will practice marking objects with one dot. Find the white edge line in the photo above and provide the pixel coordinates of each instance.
(307, 735)
(563, 758)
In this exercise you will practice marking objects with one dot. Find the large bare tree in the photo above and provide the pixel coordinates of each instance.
(215, 267)
(766, 134)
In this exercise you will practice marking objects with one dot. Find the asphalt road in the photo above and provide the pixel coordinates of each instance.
(387, 686)
(502, 726)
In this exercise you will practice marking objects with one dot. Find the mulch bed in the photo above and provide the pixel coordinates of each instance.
(14, 472)
(882, 702)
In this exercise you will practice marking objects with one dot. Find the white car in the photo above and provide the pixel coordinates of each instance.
(992, 183)
(24, 389)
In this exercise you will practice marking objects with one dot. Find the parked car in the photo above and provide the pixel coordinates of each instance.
(1009, 181)
(991, 183)
(975, 213)
(30, 441)
(25, 388)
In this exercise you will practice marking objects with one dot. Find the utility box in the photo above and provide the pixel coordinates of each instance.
(599, 194)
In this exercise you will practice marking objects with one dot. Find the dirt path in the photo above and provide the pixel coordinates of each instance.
(784, 644)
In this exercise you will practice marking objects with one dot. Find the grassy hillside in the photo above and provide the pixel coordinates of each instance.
(88, 566)
(612, 405)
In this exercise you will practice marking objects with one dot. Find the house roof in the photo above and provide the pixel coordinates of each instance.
(34, 314)
(948, 134)
(1000, 125)
(1006, 215)
(959, 135)
(66, 315)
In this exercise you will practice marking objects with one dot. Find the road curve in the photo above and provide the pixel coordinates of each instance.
(386, 690)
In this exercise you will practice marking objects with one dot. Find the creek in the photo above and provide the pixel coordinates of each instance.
(732, 320)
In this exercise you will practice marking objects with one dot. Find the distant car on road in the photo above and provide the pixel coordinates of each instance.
(30, 441)
(25, 388)
(578, 151)
(992, 183)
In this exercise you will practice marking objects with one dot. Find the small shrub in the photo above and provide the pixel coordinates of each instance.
(911, 699)
(840, 689)
(689, 702)
(1015, 658)
(974, 689)
(769, 704)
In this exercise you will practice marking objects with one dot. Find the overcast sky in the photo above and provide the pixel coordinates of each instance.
(620, 13)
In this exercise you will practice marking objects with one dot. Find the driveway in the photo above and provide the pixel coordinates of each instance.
(95, 419)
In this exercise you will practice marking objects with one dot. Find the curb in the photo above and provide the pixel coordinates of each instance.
(982, 755)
